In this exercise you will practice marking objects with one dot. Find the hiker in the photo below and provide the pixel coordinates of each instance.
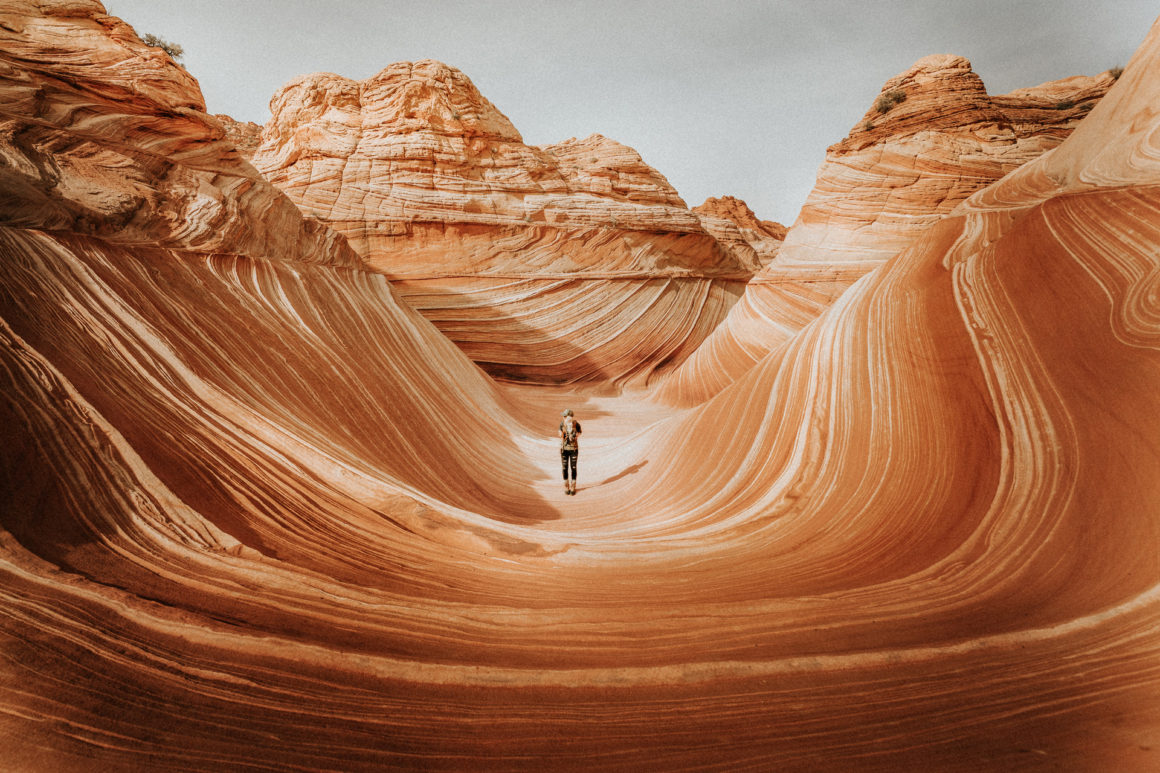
(569, 449)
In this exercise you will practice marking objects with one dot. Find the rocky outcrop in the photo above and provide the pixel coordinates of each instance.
(257, 514)
(245, 136)
(104, 135)
(735, 210)
(931, 139)
(733, 223)
(572, 248)
(423, 174)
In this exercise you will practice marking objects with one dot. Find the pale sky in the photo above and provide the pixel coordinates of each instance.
(736, 97)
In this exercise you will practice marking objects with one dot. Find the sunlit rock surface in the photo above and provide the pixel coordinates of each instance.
(260, 515)
(106, 136)
(932, 138)
(908, 163)
(733, 223)
(245, 136)
(540, 262)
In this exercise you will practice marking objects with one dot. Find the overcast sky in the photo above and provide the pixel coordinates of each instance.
(736, 97)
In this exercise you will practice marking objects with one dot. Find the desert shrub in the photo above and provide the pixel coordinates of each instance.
(175, 51)
(1116, 72)
(1065, 104)
(889, 100)
(868, 126)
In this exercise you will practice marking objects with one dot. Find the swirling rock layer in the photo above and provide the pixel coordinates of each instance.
(260, 515)
(732, 222)
(932, 138)
(104, 135)
(430, 183)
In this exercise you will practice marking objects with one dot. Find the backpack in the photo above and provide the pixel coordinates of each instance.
(570, 427)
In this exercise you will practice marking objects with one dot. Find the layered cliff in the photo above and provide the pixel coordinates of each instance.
(931, 138)
(732, 222)
(245, 136)
(542, 263)
(161, 173)
(260, 515)
(422, 174)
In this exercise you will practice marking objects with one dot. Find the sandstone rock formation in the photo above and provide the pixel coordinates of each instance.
(415, 157)
(732, 222)
(260, 515)
(902, 168)
(535, 260)
(160, 174)
(931, 138)
(245, 136)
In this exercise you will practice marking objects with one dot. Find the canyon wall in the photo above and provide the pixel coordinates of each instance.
(260, 514)
(160, 172)
(932, 138)
(542, 263)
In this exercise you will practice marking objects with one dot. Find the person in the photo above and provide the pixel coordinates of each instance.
(569, 449)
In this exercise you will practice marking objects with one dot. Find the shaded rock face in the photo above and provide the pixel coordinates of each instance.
(161, 173)
(258, 513)
(497, 242)
(932, 138)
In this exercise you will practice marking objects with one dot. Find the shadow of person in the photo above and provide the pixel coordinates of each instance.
(623, 473)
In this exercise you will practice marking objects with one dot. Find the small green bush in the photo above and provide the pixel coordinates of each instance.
(1116, 72)
(174, 50)
(889, 100)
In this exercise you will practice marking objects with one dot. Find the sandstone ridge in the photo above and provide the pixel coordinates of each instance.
(555, 264)
(932, 138)
(731, 221)
(258, 514)
(161, 173)
(416, 156)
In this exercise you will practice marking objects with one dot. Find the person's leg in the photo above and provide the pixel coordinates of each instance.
(575, 461)
(564, 464)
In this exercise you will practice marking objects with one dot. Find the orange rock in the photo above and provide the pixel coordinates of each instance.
(932, 138)
(245, 135)
(732, 222)
(436, 188)
(258, 513)
(114, 142)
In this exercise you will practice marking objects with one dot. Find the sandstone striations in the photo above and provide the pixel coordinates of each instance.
(259, 515)
(245, 136)
(538, 261)
(932, 138)
(732, 222)
(422, 173)
(907, 163)
(160, 173)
